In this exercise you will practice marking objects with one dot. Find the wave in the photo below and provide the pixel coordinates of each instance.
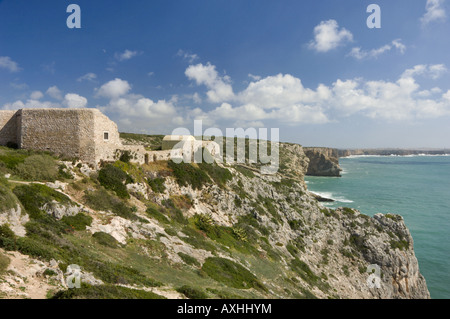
(330, 195)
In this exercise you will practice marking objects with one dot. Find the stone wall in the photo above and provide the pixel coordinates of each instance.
(105, 149)
(54, 130)
(8, 128)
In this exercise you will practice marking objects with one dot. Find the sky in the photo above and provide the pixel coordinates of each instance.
(312, 69)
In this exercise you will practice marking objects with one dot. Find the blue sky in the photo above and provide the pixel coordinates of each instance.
(313, 69)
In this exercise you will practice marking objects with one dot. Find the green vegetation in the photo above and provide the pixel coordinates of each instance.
(4, 263)
(113, 178)
(106, 239)
(38, 168)
(157, 184)
(244, 171)
(400, 244)
(34, 196)
(102, 200)
(188, 174)
(231, 273)
(218, 174)
(105, 292)
(77, 222)
(7, 199)
(192, 293)
(304, 271)
(189, 259)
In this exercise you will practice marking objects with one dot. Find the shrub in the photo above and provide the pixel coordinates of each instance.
(219, 174)
(156, 214)
(157, 184)
(192, 293)
(34, 196)
(106, 239)
(38, 167)
(102, 200)
(78, 222)
(186, 174)
(304, 271)
(4, 263)
(105, 292)
(189, 259)
(7, 198)
(114, 178)
(230, 273)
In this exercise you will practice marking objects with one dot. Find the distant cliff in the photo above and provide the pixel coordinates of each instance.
(390, 151)
(323, 161)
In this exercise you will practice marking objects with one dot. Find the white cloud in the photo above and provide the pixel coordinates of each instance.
(87, 77)
(434, 12)
(72, 100)
(114, 89)
(360, 54)
(328, 36)
(190, 57)
(36, 95)
(254, 77)
(126, 55)
(19, 86)
(54, 92)
(8, 64)
(220, 89)
(434, 71)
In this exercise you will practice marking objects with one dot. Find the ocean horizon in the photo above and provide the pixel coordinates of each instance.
(417, 187)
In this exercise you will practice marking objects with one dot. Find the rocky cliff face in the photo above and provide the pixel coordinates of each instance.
(269, 226)
(322, 161)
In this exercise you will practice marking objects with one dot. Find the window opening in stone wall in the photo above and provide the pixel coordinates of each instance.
(105, 136)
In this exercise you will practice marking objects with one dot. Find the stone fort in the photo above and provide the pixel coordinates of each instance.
(84, 134)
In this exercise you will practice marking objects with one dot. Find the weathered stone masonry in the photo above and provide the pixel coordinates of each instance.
(85, 134)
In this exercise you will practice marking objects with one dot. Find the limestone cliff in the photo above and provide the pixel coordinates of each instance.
(195, 225)
(322, 161)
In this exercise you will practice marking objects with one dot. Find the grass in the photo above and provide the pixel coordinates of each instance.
(34, 196)
(102, 200)
(105, 292)
(106, 239)
(192, 292)
(7, 199)
(4, 263)
(189, 259)
(218, 174)
(231, 273)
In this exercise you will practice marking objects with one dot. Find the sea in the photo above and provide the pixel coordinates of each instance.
(415, 187)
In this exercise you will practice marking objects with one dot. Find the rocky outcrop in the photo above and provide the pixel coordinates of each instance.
(390, 151)
(322, 161)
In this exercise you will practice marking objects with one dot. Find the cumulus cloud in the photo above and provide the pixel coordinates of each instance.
(72, 100)
(360, 54)
(54, 92)
(434, 12)
(284, 99)
(220, 89)
(126, 55)
(114, 89)
(8, 64)
(87, 77)
(328, 36)
(36, 95)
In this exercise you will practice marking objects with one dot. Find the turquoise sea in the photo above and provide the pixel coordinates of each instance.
(416, 187)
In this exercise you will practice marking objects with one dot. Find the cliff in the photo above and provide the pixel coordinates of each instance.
(323, 161)
(391, 151)
(194, 230)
